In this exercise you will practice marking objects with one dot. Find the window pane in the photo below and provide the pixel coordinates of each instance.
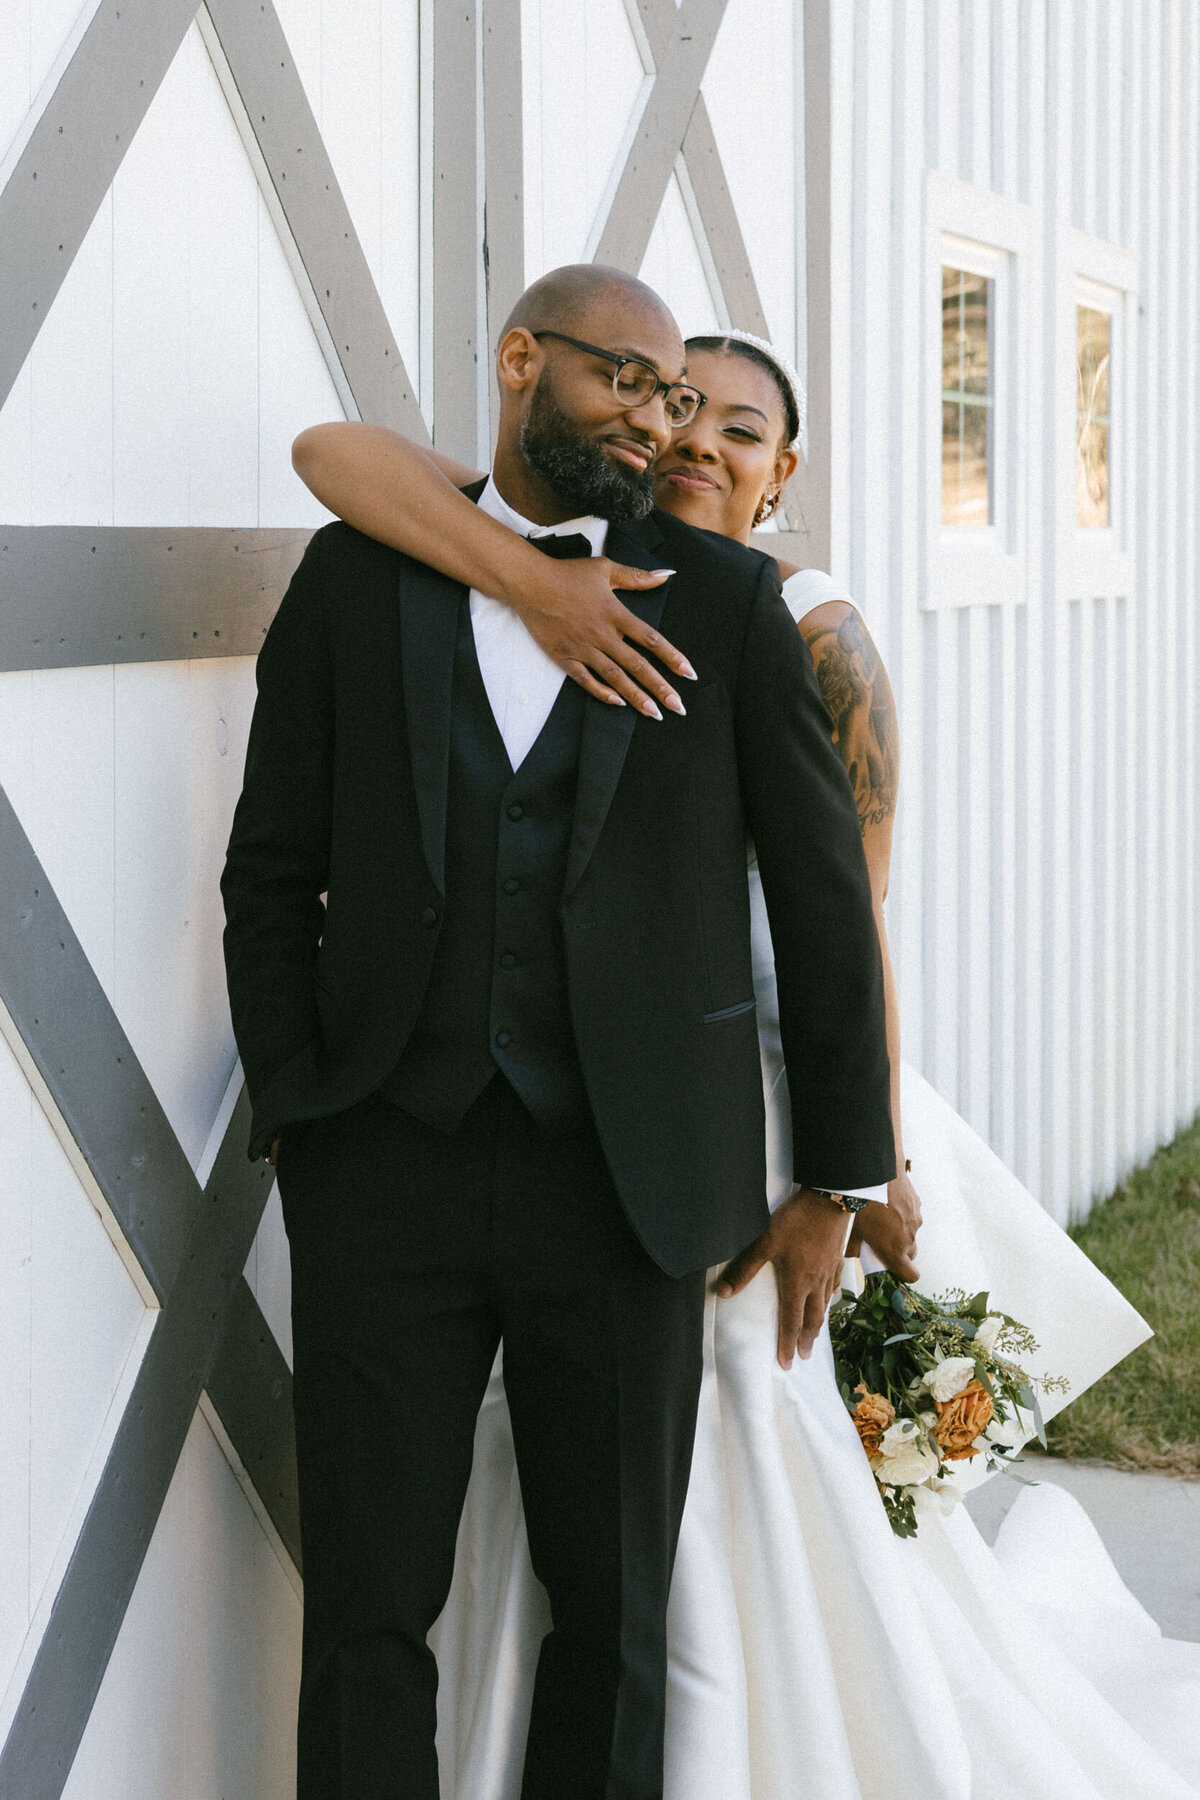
(1091, 462)
(966, 398)
(966, 446)
(965, 299)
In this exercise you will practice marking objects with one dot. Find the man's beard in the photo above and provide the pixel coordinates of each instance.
(576, 468)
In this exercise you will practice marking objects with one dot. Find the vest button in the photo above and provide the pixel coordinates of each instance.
(516, 812)
(508, 960)
(429, 916)
(512, 885)
(504, 1039)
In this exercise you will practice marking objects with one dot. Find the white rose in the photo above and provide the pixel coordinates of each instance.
(940, 1497)
(1009, 1432)
(989, 1331)
(950, 1377)
(898, 1436)
(911, 1463)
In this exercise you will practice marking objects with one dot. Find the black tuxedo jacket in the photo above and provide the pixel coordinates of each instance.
(334, 883)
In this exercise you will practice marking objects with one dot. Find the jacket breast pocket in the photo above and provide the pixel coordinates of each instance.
(730, 1012)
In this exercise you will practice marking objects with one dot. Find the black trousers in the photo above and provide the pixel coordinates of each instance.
(413, 1255)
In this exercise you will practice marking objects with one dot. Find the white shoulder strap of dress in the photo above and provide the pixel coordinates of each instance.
(810, 588)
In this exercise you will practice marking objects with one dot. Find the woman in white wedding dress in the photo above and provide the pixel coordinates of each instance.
(814, 1656)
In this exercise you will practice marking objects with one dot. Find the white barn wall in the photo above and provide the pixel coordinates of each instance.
(1043, 906)
(1043, 901)
(175, 367)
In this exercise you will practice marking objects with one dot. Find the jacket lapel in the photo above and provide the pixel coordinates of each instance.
(608, 730)
(428, 631)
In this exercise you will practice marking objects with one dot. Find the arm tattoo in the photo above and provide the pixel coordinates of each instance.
(855, 688)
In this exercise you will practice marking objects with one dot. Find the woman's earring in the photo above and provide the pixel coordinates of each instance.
(767, 505)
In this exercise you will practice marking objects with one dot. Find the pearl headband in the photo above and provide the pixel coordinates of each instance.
(785, 369)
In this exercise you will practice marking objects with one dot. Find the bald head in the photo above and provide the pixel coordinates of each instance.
(569, 441)
(581, 298)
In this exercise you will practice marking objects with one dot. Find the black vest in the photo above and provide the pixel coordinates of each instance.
(497, 994)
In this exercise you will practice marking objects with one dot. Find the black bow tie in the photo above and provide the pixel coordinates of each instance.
(573, 544)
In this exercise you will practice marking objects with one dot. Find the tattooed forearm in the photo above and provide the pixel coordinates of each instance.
(855, 687)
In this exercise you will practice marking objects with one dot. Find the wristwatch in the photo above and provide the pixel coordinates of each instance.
(847, 1203)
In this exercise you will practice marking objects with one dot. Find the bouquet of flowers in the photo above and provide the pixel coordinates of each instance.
(931, 1383)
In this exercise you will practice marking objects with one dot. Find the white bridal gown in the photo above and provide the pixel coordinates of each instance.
(815, 1656)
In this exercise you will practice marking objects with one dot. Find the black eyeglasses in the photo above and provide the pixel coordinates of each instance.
(635, 382)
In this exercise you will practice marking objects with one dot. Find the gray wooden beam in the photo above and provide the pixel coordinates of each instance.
(729, 259)
(302, 189)
(812, 518)
(458, 324)
(706, 190)
(718, 220)
(88, 1065)
(504, 174)
(73, 596)
(72, 154)
(250, 1385)
(110, 1549)
(681, 41)
(192, 1247)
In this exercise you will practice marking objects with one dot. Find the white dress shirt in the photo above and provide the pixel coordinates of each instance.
(521, 681)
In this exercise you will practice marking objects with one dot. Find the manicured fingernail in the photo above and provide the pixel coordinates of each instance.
(651, 711)
(724, 1289)
(787, 1364)
(676, 705)
(662, 571)
(615, 700)
(687, 671)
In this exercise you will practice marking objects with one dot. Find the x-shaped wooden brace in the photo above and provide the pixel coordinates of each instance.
(76, 146)
(675, 131)
(70, 596)
(675, 124)
(190, 1246)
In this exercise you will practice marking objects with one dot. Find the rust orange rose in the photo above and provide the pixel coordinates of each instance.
(961, 1420)
(872, 1416)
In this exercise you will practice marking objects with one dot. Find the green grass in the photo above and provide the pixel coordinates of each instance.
(1145, 1414)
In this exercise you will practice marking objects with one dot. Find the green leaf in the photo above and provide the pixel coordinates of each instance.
(1006, 1468)
(985, 1378)
(1039, 1422)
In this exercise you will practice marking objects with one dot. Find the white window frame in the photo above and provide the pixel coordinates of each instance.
(1095, 562)
(971, 228)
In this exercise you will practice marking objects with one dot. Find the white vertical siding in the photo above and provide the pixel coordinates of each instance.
(1044, 892)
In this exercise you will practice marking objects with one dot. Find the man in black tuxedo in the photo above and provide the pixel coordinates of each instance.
(489, 963)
